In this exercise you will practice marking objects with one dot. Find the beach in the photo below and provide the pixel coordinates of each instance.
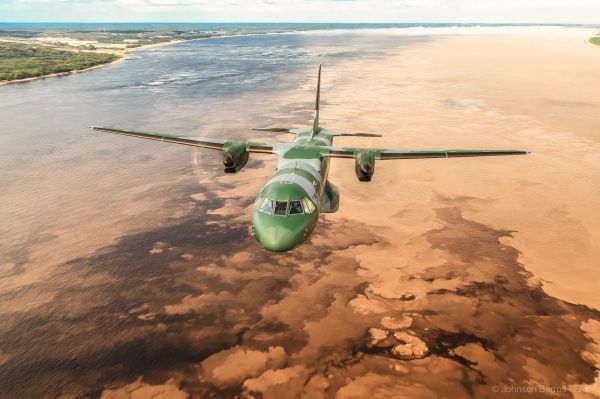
(129, 267)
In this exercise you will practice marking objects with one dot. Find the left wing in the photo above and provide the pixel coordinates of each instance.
(203, 142)
(351, 152)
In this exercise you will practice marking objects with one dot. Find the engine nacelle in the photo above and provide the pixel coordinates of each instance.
(235, 156)
(365, 165)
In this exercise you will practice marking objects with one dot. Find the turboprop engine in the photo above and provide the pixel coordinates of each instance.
(235, 157)
(365, 165)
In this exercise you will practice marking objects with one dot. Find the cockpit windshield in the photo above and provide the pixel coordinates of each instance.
(277, 207)
(295, 207)
(266, 206)
(280, 207)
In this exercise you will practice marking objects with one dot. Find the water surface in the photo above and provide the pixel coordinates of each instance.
(69, 196)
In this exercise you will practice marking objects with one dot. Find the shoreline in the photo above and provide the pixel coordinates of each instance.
(123, 57)
(61, 74)
(125, 52)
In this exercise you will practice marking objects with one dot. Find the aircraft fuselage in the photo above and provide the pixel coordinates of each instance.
(287, 208)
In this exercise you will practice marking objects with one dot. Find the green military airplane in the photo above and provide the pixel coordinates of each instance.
(287, 208)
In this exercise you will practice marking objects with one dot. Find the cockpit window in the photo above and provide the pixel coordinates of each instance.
(259, 201)
(280, 207)
(295, 207)
(267, 206)
(276, 207)
(309, 207)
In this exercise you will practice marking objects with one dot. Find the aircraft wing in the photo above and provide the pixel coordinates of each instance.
(350, 152)
(203, 142)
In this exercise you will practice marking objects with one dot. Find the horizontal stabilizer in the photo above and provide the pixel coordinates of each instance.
(355, 134)
(272, 129)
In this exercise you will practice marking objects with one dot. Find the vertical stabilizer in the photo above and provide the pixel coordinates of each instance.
(315, 128)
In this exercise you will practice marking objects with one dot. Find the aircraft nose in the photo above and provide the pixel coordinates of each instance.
(278, 239)
(280, 233)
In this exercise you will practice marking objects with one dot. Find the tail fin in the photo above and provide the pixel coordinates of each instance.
(315, 128)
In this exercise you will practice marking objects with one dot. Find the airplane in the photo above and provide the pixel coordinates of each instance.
(286, 210)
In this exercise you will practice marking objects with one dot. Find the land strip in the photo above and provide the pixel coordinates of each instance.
(32, 54)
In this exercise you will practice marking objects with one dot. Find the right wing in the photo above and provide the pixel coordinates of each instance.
(387, 153)
(203, 142)
(353, 134)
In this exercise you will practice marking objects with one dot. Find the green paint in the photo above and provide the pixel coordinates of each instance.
(309, 151)
(279, 233)
(300, 172)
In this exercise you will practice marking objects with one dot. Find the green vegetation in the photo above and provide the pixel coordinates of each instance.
(19, 61)
(40, 49)
(595, 40)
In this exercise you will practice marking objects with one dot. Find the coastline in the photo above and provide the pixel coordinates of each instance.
(125, 52)
(61, 74)
(123, 57)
